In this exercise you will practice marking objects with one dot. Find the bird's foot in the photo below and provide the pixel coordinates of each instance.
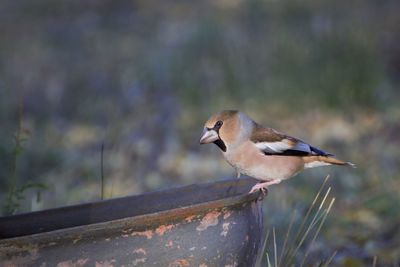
(263, 187)
(258, 186)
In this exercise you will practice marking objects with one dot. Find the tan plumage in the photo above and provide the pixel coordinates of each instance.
(261, 152)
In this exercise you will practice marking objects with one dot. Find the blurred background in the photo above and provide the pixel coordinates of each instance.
(141, 77)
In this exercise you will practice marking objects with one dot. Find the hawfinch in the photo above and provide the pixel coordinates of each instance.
(261, 152)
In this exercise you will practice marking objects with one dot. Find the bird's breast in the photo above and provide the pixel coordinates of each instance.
(249, 160)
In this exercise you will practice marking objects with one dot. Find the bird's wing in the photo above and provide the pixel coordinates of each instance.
(272, 142)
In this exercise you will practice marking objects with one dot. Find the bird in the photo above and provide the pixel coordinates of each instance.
(261, 152)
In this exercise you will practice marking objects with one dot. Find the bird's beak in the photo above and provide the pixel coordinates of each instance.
(208, 136)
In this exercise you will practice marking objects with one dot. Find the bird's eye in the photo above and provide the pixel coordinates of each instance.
(218, 124)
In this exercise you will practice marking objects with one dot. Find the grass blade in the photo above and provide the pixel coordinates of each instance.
(259, 260)
(275, 249)
(318, 230)
(326, 264)
(301, 228)
(311, 225)
(268, 262)
(287, 237)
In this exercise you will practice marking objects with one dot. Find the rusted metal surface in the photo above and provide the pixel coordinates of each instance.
(216, 224)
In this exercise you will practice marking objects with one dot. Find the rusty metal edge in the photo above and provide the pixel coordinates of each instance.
(145, 220)
(112, 209)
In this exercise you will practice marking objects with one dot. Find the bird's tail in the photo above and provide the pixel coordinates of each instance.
(316, 161)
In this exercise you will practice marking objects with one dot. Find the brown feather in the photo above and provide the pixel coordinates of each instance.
(330, 160)
(263, 134)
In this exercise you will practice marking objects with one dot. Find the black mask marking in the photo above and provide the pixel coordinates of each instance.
(218, 142)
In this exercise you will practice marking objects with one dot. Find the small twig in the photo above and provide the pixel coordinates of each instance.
(375, 261)
(102, 171)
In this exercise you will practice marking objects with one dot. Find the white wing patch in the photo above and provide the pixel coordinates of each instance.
(283, 145)
(315, 164)
(274, 147)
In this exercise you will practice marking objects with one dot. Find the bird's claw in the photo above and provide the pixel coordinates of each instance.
(263, 190)
(264, 193)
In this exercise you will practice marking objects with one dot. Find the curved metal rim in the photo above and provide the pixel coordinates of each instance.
(153, 219)
(145, 219)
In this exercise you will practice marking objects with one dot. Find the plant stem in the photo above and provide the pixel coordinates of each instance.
(102, 171)
(10, 206)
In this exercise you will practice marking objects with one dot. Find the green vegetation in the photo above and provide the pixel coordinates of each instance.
(16, 194)
(143, 77)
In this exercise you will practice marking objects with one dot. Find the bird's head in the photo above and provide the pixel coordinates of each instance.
(221, 129)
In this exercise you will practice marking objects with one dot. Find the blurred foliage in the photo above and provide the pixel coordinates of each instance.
(143, 76)
(17, 194)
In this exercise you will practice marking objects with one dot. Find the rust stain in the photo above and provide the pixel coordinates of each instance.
(148, 234)
(25, 259)
(189, 219)
(140, 251)
(169, 244)
(105, 263)
(164, 228)
(211, 219)
(179, 263)
(227, 214)
(71, 263)
(225, 229)
(234, 264)
(137, 261)
(34, 252)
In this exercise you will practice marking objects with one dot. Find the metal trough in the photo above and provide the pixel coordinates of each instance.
(215, 224)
